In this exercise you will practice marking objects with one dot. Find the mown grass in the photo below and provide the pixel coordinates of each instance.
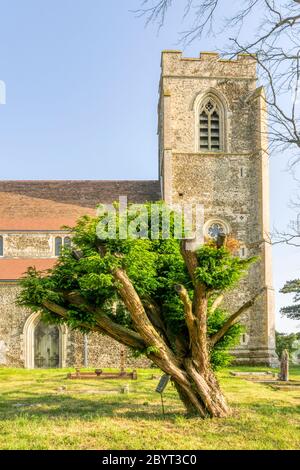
(41, 409)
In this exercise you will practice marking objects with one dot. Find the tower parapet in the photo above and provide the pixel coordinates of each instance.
(208, 64)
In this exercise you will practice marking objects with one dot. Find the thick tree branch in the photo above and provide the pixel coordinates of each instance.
(200, 301)
(216, 303)
(196, 339)
(188, 307)
(63, 313)
(154, 315)
(114, 330)
(139, 317)
(134, 305)
(233, 318)
(190, 259)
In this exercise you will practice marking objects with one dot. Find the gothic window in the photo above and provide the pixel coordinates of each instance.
(58, 246)
(209, 126)
(1, 246)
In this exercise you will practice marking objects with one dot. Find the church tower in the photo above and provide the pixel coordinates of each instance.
(213, 151)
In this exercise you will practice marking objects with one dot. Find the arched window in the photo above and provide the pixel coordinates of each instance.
(210, 126)
(58, 246)
(67, 242)
(1, 246)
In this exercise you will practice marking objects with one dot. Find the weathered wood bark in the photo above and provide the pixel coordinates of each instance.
(195, 381)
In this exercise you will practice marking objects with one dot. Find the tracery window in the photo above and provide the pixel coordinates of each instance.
(209, 126)
(215, 229)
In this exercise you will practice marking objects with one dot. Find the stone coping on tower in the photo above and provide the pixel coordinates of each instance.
(206, 55)
(208, 64)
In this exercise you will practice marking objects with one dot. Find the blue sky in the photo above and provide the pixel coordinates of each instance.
(82, 88)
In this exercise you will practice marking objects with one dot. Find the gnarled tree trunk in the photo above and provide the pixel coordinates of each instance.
(195, 382)
(187, 360)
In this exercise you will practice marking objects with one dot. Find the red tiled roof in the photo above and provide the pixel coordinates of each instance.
(87, 193)
(48, 205)
(27, 213)
(13, 269)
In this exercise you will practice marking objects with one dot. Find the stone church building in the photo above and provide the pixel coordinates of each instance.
(212, 151)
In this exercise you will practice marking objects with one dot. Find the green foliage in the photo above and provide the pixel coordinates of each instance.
(286, 341)
(220, 355)
(218, 269)
(292, 311)
(154, 267)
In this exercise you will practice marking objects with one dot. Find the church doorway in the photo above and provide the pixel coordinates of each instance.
(45, 346)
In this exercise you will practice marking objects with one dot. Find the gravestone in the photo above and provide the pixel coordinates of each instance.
(284, 366)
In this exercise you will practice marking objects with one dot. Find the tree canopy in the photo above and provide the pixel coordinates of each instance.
(151, 294)
(292, 311)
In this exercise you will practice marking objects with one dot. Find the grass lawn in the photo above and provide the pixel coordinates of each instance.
(41, 409)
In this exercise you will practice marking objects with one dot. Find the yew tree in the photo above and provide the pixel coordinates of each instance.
(152, 294)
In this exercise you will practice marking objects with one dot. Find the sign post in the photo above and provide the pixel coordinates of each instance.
(164, 380)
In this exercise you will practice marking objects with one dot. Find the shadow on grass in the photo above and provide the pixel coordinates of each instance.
(52, 406)
(66, 407)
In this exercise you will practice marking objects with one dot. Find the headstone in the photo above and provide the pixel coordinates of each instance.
(125, 389)
(284, 366)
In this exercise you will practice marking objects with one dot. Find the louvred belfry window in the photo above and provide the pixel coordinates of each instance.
(209, 126)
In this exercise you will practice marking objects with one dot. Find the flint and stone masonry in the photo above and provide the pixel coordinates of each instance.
(231, 183)
(229, 177)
